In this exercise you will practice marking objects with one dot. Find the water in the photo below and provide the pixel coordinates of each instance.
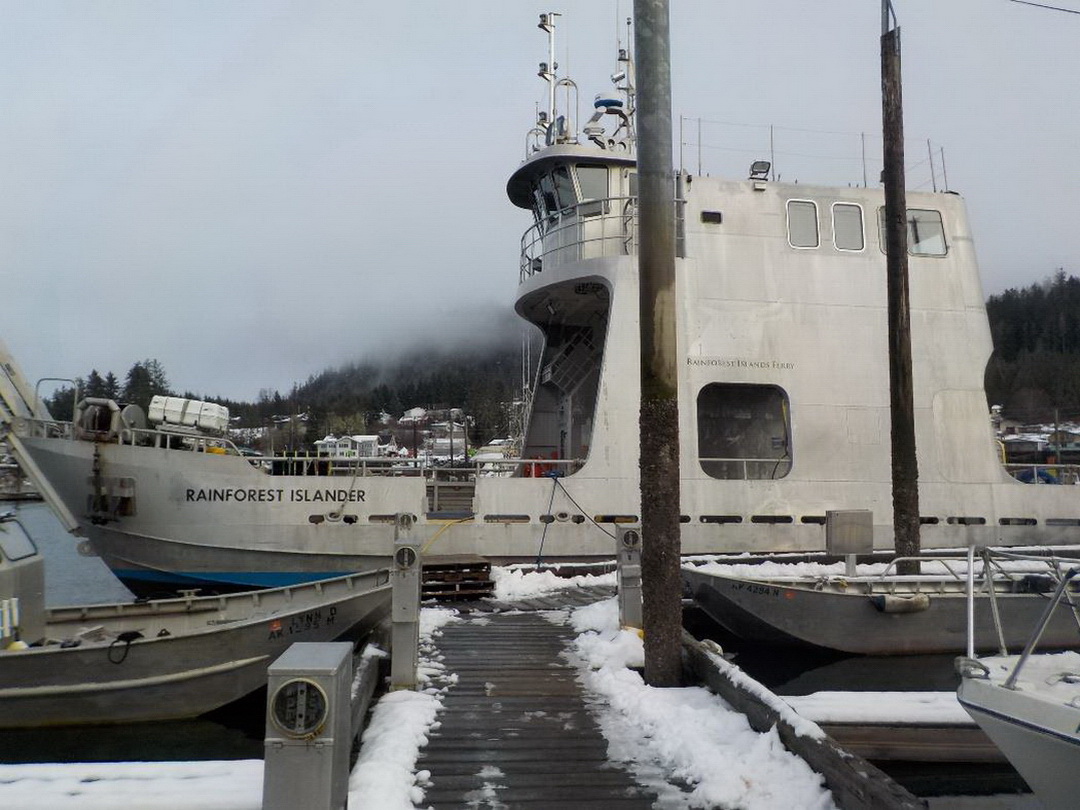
(235, 732)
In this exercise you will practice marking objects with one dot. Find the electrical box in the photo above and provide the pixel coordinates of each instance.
(849, 531)
(628, 566)
(308, 727)
(405, 605)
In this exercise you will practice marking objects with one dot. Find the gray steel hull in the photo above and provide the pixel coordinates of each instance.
(192, 656)
(157, 566)
(785, 613)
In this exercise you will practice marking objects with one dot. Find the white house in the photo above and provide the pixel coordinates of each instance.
(354, 447)
(412, 416)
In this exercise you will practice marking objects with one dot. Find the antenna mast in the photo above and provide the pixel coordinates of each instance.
(549, 68)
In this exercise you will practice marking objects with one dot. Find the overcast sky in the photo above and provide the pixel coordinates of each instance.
(254, 191)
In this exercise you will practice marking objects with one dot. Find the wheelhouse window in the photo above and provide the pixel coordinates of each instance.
(848, 226)
(925, 232)
(593, 182)
(802, 223)
(744, 431)
(546, 195)
(564, 188)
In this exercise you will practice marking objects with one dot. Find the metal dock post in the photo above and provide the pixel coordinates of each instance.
(405, 609)
(628, 567)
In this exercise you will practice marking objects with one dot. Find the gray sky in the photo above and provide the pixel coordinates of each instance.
(254, 191)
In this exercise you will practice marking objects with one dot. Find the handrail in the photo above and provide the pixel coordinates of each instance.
(784, 462)
(563, 236)
(1044, 620)
(310, 464)
(1041, 472)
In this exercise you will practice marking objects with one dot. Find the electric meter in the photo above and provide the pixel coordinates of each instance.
(299, 708)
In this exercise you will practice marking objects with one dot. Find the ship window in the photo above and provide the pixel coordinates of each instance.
(547, 195)
(847, 226)
(538, 204)
(802, 223)
(564, 188)
(926, 235)
(593, 182)
(16, 545)
(743, 431)
(925, 232)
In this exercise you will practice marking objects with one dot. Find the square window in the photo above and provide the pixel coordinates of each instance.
(848, 227)
(743, 431)
(802, 223)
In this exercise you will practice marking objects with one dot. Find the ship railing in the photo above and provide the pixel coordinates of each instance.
(1012, 568)
(1056, 581)
(1045, 473)
(588, 230)
(176, 438)
(301, 464)
(746, 469)
(43, 428)
(503, 468)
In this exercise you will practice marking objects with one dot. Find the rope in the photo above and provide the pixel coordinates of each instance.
(543, 535)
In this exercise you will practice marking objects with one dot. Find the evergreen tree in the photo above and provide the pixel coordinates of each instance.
(95, 385)
(144, 381)
(112, 386)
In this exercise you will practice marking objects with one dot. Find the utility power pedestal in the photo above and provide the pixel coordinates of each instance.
(405, 605)
(849, 532)
(308, 727)
(628, 566)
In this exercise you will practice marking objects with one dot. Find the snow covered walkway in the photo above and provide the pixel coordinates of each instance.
(515, 727)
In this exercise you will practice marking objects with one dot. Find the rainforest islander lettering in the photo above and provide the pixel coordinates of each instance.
(263, 495)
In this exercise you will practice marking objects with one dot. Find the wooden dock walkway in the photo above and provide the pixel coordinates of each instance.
(515, 729)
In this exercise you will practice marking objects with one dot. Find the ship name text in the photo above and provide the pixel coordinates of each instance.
(268, 495)
(739, 362)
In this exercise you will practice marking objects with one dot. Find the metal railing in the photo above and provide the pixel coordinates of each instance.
(745, 469)
(434, 470)
(588, 230)
(1045, 473)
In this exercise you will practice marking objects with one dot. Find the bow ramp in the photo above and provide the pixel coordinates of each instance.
(19, 400)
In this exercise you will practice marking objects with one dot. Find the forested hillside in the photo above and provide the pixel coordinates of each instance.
(1035, 369)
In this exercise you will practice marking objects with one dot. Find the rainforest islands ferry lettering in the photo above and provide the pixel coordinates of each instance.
(738, 362)
(783, 399)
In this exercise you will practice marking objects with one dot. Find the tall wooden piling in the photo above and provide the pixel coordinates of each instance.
(905, 467)
(659, 415)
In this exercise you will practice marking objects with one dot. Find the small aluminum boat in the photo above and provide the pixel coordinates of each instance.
(159, 659)
(882, 613)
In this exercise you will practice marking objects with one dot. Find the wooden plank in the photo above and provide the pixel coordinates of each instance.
(915, 743)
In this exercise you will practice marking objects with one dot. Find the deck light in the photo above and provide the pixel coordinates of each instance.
(759, 170)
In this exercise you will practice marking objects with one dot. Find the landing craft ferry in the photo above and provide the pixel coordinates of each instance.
(783, 396)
